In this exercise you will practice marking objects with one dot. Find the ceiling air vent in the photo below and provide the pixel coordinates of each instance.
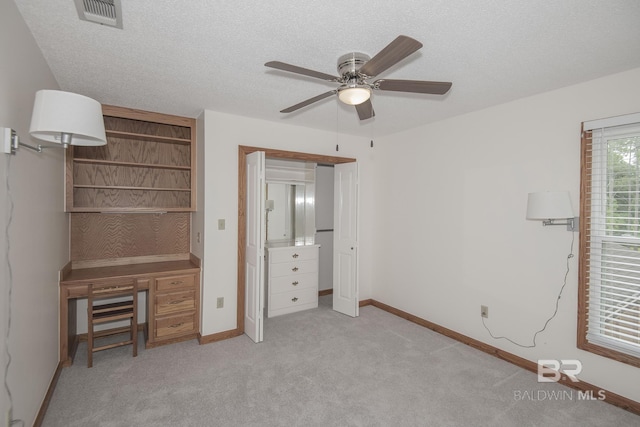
(104, 12)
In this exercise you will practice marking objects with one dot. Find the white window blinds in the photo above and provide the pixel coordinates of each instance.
(612, 195)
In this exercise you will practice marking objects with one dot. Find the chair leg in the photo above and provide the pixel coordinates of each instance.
(134, 320)
(90, 344)
(134, 336)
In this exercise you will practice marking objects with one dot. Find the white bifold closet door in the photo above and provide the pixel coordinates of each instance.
(254, 251)
(345, 249)
(345, 239)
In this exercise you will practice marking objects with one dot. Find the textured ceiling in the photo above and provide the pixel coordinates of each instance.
(184, 57)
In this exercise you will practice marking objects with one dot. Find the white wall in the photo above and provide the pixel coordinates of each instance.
(451, 229)
(223, 134)
(39, 230)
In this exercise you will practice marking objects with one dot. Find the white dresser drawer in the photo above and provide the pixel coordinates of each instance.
(291, 283)
(293, 300)
(293, 253)
(293, 268)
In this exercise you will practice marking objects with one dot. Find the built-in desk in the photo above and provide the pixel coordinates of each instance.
(173, 304)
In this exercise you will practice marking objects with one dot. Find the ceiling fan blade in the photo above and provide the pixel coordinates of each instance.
(308, 101)
(417, 86)
(299, 70)
(395, 51)
(365, 110)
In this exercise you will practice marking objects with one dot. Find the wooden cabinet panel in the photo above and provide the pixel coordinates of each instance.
(97, 236)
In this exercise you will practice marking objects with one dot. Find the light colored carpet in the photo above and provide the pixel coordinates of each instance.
(317, 368)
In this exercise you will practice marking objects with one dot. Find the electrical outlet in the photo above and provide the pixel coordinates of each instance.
(221, 224)
(198, 237)
(220, 303)
(484, 311)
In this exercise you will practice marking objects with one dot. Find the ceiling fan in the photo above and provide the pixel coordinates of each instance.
(356, 68)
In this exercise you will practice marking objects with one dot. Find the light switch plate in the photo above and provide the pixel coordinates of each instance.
(221, 224)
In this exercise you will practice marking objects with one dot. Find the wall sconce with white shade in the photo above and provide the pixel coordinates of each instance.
(61, 117)
(551, 206)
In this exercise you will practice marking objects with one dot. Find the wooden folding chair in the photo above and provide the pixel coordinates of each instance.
(100, 311)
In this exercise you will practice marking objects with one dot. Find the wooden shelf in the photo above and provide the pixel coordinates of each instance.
(146, 137)
(122, 187)
(130, 164)
(127, 211)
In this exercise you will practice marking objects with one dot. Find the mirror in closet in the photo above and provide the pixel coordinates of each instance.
(290, 203)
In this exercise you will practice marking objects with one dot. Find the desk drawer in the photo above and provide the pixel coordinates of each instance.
(171, 283)
(167, 303)
(175, 325)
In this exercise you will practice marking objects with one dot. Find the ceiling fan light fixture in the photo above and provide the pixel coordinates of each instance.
(355, 69)
(354, 95)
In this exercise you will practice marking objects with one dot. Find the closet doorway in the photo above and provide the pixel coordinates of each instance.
(250, 256)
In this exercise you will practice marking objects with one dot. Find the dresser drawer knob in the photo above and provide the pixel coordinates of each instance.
(295, 255)
(294, 299)
(294, 269)
(295, 283)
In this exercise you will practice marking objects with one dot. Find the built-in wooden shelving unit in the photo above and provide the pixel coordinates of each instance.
(148, 164)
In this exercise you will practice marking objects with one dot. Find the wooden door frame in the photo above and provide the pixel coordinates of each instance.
(242, 196)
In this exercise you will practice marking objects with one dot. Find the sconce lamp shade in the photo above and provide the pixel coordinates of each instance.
(549, 205)
(67, 118)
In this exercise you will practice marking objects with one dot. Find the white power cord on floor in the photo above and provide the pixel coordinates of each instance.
(555, 312)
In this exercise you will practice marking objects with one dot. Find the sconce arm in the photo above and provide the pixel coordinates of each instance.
(14, 143)
(571, 223)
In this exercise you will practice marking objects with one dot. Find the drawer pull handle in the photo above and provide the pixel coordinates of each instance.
(295, 283)
(295, 255)
(294, 269)
(294, 299)
(178, 301)
(176, 325)
(176, 282)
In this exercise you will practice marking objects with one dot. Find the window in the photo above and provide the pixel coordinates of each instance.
(609, 276)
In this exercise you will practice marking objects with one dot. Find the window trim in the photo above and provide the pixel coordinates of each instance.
(584, 259)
